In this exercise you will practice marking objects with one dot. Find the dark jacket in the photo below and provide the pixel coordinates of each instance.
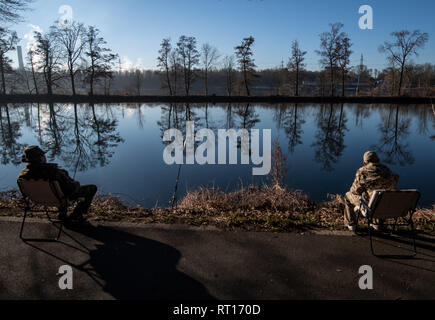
(50, 172)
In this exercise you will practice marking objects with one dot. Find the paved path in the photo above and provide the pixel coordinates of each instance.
(126, 261)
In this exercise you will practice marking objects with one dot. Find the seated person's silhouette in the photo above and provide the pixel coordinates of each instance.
(38, 169)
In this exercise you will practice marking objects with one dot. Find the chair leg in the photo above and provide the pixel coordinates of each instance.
(60, 231)
(40, 239)
(54, 223)
(411, 223)
(370, 236)
(22, 224)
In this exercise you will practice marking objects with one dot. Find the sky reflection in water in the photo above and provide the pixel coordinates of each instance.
(119, 147)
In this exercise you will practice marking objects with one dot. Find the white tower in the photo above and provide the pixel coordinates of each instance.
(20, 58)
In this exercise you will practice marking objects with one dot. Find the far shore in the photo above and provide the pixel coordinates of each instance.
(26, 98)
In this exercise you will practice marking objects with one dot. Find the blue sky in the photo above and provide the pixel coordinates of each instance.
(135, 28)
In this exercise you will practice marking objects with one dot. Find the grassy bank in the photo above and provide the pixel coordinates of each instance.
(25, 98)
(272, 209)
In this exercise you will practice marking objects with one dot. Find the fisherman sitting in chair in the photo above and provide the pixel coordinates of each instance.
(372, 176)
(38, 169)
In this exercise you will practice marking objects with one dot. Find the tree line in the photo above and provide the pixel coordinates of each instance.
(80, 55)
(335, 51)
(60, 53)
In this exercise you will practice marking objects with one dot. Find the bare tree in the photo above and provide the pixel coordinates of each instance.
(296, 63)
(164, 63)
(209, 58)
(99, 57)
(405, 45)
(189, 57)
(8, 41)
(329, 50)
(246, 62)
(31, 60)
(73, 42)
(344, 60)
(49, 56)
(11, 10)
(175, 66)
(230, 74)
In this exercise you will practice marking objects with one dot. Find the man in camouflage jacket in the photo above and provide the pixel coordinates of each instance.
(372, 176)
(38, 169)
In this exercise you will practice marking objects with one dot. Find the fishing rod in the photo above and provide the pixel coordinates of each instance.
(174, 196)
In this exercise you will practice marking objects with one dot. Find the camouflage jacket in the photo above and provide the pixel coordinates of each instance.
(50, 172)
(374, 176)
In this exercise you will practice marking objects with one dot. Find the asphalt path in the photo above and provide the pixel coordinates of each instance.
(173, 262)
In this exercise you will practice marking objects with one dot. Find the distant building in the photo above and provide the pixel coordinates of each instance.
(20, 58)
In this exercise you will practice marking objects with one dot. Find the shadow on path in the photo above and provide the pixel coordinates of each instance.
(132, 267)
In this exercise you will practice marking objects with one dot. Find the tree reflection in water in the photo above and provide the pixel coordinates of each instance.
(394, 130)
(247, 117)
(362, 112)
(54, 131)
(175, 116)
(10, 133)
(78, 135)
(107, 138)
(83, 137)
(291, 119)
(329, 138)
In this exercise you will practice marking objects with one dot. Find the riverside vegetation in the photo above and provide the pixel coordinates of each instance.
(271, 208)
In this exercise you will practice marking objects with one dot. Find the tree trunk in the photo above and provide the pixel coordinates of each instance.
(343, 81)
(175, 81)
(332, 81)
(297, 81)
(246, 83)
(168, 80)
(34, 78)
(91, 80)
(49, 83)
(2, 70)
(401, 78)
(91, 91)
(73, 86)
(186, 82)
(206, 82)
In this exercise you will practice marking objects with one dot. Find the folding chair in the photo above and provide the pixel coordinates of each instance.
(47, 194)
(390, 205)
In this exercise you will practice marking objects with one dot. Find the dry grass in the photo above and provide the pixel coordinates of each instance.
(253, 208)
(267, 199)
(425, 219)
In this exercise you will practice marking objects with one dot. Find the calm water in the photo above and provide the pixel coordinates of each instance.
(119, 147)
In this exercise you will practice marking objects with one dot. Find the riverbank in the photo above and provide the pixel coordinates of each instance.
(265, 209)
(25, 98)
